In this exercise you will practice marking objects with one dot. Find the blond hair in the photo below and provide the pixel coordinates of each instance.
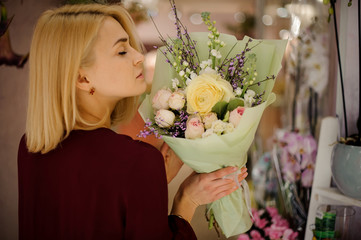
(62, 43)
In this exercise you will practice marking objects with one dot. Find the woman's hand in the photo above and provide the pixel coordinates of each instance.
(204, 188)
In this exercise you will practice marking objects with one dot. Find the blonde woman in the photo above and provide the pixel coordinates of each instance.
(77, 178)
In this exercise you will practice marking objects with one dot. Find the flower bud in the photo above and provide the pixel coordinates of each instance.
(177, 100)
(195, 127)
(164, 118)
(208, 119)
(160, 99)
(235, 115)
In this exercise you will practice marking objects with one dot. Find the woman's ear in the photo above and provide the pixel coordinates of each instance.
(82, 82)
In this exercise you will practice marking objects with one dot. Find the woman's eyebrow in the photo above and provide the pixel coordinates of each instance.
(121, 40)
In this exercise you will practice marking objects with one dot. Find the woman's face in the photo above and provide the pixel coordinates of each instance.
(118, 68)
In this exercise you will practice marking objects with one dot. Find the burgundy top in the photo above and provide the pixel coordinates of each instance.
(96, 185)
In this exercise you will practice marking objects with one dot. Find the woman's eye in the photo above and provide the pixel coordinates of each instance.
(122, 53)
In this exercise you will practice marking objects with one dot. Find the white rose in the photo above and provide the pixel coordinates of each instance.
(208, 119)
(235, 115)
(177, 100)
(229, 128)
(164, 118)
(218, 127)
(207, 133)
(160, 99)
(195, 127)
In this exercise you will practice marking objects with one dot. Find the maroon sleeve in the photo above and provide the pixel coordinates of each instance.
(147, 205)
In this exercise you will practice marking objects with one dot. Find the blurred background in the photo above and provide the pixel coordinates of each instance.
(307, 90)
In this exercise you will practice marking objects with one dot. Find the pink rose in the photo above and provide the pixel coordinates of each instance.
(161, 99)
(195, 127)
(235, 115)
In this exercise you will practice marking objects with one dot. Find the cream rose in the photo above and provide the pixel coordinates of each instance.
(205, 91)
(160, 99)
(164, 118)
(208, 119)
(195, 127)
(177, 100)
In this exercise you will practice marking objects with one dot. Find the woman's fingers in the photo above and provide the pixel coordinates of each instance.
(222, 172)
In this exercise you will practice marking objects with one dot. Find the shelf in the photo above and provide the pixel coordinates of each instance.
(335, 194)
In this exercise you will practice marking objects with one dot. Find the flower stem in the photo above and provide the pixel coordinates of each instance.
(339, 65)
(359, 71)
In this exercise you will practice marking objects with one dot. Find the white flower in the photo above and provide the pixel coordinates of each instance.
(164, 118)
(193, 75)
(208, 70)
(188, 81)
(218, 127)
(175, 83)
(235, 115)
(181, 73)
(210, 36)
(223, 44)
(248, 98)
(185, 63)
(229, 128)
(207, 133)
(208, 119)
(160, 99)
(177, 100)
(216, 53)
(195, 127)
(238, 91)
(205, 63)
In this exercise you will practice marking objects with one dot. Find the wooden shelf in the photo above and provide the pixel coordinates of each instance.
(335, 194)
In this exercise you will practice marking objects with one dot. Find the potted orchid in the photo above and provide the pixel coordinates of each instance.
(347, 152)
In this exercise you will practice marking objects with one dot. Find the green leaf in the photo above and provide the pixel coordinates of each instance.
(220, 108)
(234, 103)
(226, 117)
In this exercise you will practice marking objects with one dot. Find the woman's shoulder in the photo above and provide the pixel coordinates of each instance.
(109, 142)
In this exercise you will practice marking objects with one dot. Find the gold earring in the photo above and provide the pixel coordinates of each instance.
(92, 90)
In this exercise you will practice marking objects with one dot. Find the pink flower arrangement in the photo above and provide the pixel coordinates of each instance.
(269, 225)
(297, 157)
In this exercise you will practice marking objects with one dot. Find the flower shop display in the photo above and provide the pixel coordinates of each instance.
(269, 225)
(208, 95)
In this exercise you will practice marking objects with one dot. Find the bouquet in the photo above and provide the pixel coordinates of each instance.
(269, 225)
(208, 95)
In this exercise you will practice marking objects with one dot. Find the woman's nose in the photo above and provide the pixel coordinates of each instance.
(139, 58)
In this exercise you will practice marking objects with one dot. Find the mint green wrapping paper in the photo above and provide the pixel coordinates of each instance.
(214, 152)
